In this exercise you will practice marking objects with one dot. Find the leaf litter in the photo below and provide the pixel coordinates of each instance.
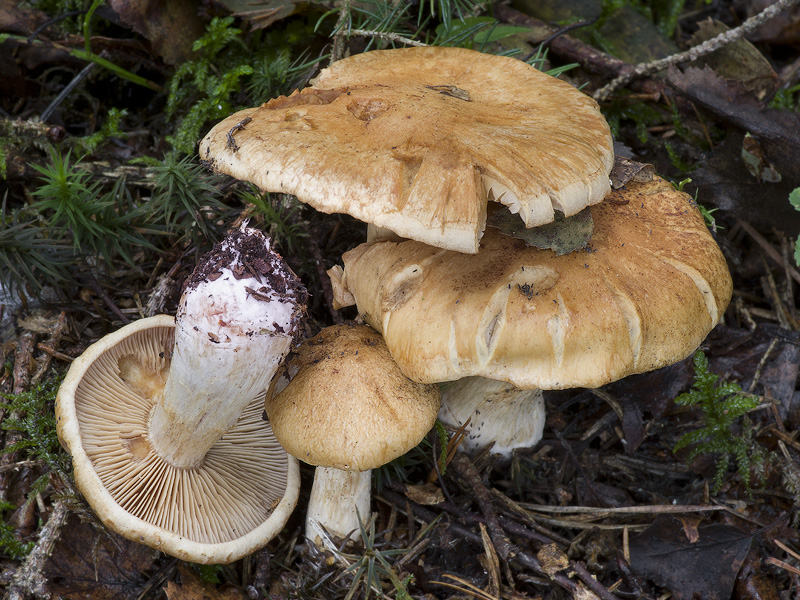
(602, 508)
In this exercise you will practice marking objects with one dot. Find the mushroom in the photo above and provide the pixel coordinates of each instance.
(163, 417)
(644, 294)
(347, 409)
(417, 140)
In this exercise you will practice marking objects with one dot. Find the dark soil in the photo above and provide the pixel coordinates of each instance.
(601, 508)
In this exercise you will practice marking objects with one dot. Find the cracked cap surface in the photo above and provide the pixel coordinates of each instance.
(644, 294)
(417, 140)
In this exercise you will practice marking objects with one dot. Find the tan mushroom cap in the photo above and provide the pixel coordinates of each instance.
(646, 292)
(233, 504)
(348, 406)
(414, 140)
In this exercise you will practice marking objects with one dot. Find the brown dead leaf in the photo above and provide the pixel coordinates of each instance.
(723, 181)
(754, 582)
(626, 170)
(690, 524)
(17, 20)
(732, 103)
(91, 562)
(739, 60)
(171, 26)
(264, 13)
(783, 28)
(706, 568)
(722, 177)
(426, 494)
(191, 587)
(38, 322)
(553, 559)
(757, 162)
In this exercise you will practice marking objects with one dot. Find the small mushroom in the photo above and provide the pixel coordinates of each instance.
(347, 410)
(644, 294)
(418, 140)
(163, 417)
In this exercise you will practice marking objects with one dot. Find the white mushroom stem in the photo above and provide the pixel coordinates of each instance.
(338, 499)
(232, 330)
(498, 412)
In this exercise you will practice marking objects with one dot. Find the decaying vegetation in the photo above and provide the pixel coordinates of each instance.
(679, 482)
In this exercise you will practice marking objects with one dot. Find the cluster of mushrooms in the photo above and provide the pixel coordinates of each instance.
(163, 418)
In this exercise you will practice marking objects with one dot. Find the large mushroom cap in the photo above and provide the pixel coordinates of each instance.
(231, 505)
(644, 294)
(348, 406)
(413, 139)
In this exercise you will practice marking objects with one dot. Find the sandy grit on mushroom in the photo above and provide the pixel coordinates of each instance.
(345, 407)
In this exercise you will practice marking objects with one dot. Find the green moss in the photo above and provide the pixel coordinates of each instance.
(722, 404)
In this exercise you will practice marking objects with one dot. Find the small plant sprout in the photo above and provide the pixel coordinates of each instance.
(708, 214)
(722, 404)
(373, 565)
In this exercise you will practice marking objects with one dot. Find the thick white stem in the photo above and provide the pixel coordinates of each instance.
(207, 389)
(235, 323)
(498, 411)
(338, 499)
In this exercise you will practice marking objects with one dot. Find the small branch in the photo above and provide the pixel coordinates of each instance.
(387, 35)
(51, 350)
(565, 46)
(94, 58)
(337, 52)
(771, 252)
(22, 362)
(84, 73)
(92, 282)
(504, 547)
(23, 358)
(707, 47)
(426, 515)
(29, 580)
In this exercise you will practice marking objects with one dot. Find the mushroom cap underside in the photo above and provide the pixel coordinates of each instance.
(416, 140)
(646, 291)
(233, 504)
(348, 406)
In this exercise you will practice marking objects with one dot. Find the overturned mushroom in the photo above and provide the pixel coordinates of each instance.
(163, 417)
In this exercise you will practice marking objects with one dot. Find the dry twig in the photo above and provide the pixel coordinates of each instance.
(28, 580)
(707, 47)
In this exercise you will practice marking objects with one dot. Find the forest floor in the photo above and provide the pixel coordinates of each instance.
(603, 507)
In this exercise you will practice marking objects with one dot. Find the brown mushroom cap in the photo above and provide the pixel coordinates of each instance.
(348, 406)
(231, 505)
(644, 294)
(412, 140)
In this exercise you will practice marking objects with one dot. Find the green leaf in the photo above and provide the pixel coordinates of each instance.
(797, 252)
(482, 30)
(794, 198)
(563, 235)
